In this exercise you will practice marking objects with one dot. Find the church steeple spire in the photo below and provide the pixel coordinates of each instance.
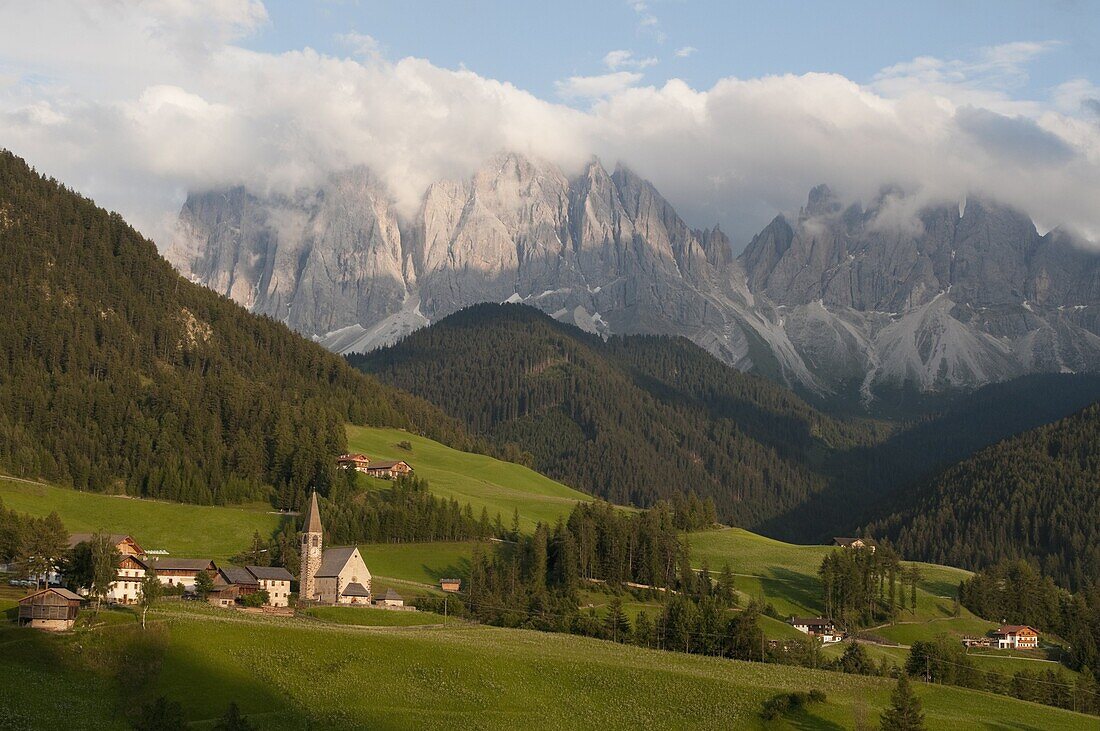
(312, 550)
(312, 523)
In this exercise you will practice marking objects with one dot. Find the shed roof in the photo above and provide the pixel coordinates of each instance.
(60, 591)
(392, 595)
(333, 560)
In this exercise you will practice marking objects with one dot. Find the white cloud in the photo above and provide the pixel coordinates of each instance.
(137, 103)
(594, 87)
(685, 51)
(615, 60)
(361, 45)
(648, 22)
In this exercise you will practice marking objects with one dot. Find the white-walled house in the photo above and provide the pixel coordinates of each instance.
(127, 589)
(275, 580)
(820, 627)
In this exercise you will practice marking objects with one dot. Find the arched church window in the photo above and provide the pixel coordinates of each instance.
(315, 541)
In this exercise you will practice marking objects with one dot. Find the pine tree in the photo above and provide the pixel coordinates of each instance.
(616, 621)
(904, 713)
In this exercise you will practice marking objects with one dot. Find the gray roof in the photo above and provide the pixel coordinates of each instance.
(393, 595)
(59, 590)
(75, 539)
(180, 564)
(271, 573)
(385, 464)
(355, 589)
(237, 575)
(333, 560)
(811, 621)
(312, 522)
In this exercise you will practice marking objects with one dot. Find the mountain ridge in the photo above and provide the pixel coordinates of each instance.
(840, 301)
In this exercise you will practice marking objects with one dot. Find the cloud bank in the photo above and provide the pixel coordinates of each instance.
(137, 103)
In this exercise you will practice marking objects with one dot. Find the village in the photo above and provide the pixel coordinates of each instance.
(329, 576)
(334, 576)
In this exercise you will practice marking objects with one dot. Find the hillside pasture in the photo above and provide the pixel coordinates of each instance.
(483, 482)
(182, 530)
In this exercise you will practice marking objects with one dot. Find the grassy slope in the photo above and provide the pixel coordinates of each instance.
(412, 677)
(482, 481)
(424, 563)
(786, 575)
(183, 530)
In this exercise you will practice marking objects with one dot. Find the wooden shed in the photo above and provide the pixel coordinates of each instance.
(53, 609)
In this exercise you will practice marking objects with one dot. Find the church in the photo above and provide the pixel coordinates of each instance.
(336, 575)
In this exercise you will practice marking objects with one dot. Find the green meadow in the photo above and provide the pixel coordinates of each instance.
(483, 482)
(298, 673)
(785, 575)
(182, 530)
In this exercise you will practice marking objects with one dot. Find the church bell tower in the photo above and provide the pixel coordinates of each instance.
(312, 548)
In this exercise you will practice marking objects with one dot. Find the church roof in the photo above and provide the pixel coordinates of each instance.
(355, 589)
(312, 523)
(333, 560)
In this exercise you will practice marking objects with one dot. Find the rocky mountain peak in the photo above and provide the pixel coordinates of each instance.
(840, 298)
(821, 202)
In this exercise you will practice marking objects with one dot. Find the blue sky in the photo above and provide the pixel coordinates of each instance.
(733, 110)
(535, 44)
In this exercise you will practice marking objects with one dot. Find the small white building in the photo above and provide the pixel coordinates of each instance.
(819, 627)
(275, 580)
(127, 589)
(1016, 637)
(181, 571)
(390, 600)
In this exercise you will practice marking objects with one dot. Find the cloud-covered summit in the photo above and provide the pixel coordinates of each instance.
(139, 103)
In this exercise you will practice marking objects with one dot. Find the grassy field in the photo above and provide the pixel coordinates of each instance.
(500, 487)
(785, 575)
(422, 563)
(370, 617)
(306, 673)
(182, 530)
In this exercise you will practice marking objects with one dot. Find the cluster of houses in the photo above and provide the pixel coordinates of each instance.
(384, 469)
(334, 576)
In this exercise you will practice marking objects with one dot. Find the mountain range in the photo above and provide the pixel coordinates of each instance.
(840, 300)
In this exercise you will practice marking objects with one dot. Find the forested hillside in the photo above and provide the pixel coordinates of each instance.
(870, 481)
(633, 419)
(1035, 496)
(116, 374)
